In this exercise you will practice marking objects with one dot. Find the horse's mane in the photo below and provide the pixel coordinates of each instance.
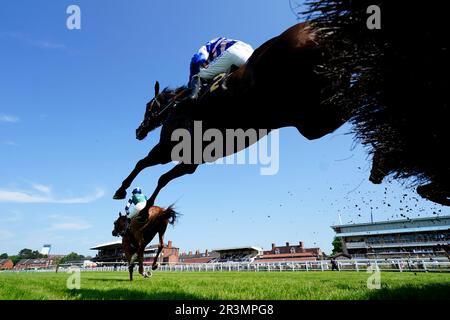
(175, 91)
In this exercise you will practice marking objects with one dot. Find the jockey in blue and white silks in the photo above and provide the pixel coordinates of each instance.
(216, 57)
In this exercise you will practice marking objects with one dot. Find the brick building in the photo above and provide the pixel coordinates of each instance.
(6, 264)
(34, 264)
(290, 252)
(198, 257)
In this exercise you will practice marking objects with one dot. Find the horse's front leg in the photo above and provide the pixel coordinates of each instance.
(178, 171)
(141, 262)
(132, 261)
(130, 270)
(128, 255)
(155, 156)
(380, 167)
(139, 255)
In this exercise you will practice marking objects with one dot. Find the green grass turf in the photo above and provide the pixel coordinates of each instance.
(226, 285)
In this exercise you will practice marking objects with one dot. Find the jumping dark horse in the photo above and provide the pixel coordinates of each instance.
(278, 87)
(141, 233)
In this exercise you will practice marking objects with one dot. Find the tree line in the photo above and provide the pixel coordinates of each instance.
(34, 254)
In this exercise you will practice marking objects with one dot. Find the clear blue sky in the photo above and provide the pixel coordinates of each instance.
(70, 101)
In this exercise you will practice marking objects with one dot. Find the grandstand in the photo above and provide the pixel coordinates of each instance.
(411, 238)
(46, 249)
(237, 254)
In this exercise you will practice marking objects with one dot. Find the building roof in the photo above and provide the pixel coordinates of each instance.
(239, 249)
(391, 222)
(392, 231)
(33, 261)
(113, 244)
(394, 226)
(2, 261)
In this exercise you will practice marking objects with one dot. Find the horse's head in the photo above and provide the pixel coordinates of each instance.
(156, 112)
(120, 225)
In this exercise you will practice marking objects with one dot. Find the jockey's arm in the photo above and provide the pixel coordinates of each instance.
(203, 53)
(127, 207)
(199, 60)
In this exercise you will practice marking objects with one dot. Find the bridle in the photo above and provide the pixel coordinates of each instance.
(172, 102)
(125, 229)
(155, 114)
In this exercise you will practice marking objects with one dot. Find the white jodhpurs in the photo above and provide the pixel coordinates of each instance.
(137, 209)
(237, 54)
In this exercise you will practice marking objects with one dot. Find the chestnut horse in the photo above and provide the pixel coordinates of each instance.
(141, 232)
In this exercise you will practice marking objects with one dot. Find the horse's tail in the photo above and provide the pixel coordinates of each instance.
(171, 214)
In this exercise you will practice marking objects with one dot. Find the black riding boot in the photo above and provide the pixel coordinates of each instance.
(196, 85)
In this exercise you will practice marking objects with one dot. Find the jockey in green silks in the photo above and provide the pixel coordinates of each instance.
(139, 200)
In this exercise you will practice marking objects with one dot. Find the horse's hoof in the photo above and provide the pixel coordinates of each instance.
(155, 267)
(375, 180)
(120, 194)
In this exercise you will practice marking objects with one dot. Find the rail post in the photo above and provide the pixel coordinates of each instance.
(424, 266)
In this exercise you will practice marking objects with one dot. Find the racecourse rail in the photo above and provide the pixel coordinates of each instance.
(360, 265)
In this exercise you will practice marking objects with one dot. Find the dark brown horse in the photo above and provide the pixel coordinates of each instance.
(278, 87)
(141, 232)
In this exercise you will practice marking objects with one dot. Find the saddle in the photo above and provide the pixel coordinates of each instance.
(219, 82)
(141, 220)
(207, 88)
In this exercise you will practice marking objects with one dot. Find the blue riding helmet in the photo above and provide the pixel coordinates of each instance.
(137, 190)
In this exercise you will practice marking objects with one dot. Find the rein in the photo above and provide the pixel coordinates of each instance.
(171, 103)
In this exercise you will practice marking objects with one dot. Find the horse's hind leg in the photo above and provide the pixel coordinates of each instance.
(381, 166)
(178, 171)
(435, 193)
(160, 247)
(155, 156)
